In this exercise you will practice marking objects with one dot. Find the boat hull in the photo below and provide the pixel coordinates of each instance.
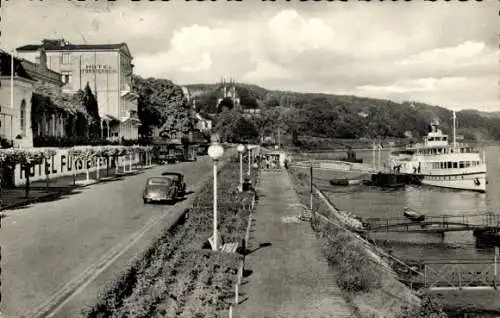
(470, 182)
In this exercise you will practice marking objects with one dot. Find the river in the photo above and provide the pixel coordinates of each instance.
(370, 202)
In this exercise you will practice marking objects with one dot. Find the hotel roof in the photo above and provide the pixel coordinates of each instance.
(62, 45)
(5, 61)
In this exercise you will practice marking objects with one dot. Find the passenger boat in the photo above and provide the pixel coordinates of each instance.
(436, 162)
(413, 215)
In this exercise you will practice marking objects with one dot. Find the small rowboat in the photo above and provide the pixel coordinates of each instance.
(413, 215)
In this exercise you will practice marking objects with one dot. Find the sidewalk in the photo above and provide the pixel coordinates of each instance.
(289, 275)
(15, 198)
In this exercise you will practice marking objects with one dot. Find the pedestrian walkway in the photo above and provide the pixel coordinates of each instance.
(290, 277)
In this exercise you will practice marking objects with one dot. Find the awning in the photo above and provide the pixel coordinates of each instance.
(130, 119)
(129, 95)
(109, 118)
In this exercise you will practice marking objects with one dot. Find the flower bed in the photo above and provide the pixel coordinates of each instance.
(176, 277)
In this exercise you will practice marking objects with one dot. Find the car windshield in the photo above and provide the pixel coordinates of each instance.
(173, 176)
(159, 181)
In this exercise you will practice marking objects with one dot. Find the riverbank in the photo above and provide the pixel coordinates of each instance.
(367, 281)
(180, 276)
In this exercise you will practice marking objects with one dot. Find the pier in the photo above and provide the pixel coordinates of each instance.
(436, 224)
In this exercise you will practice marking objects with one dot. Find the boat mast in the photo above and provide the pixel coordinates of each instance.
(454, 130)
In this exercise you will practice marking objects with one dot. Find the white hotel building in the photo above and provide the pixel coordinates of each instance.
(108, 70)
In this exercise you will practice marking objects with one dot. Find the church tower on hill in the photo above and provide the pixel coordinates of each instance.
(229, 95)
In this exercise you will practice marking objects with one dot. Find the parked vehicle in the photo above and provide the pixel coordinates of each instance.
(158, 189)
(179, 180)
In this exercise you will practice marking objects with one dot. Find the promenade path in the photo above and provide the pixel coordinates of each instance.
(290, 277)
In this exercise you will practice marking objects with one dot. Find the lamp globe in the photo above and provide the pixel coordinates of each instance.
(241, 148)
(215, 151)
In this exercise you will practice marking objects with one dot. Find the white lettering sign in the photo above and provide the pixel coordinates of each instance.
(98, 68)
(62, 164)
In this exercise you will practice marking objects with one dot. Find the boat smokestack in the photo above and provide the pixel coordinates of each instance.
(454, 130)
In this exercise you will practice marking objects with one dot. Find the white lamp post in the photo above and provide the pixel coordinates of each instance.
(215, 151)
(249, 159)
(241, 149)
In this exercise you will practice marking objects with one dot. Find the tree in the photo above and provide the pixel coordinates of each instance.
(162, 103)
(90, 103)
(26, 158)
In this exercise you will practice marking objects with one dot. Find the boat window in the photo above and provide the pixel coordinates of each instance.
(461, 165)
(441, 165)
(455, 165)
(467, 164)
(448, 164)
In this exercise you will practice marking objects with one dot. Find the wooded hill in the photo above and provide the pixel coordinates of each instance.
(338, 116)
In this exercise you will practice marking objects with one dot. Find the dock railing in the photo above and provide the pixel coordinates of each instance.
(435, 223)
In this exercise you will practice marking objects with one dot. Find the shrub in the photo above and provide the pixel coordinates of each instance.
(427, 308)
(5, 143)
(357, 272)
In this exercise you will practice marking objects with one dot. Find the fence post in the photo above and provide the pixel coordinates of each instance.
(231, 311)
(425, 275)
(236, 294)
(459, 280)
(495, 259)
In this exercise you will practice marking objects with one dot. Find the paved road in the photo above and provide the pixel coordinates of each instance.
(57, 246)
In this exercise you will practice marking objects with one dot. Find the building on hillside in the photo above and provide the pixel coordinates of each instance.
(107, 68)
(229, 94)
(15, 109)
(251, 112)
(203, 124)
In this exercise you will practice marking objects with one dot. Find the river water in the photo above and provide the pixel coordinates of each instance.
(371, 202)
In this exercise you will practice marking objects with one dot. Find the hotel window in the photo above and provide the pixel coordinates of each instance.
(65, 58)
(455, 165)
(22, 117)
(462, 165)
(66, 77)
(449, 164)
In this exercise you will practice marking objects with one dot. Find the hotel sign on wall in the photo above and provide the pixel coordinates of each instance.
(98, 68)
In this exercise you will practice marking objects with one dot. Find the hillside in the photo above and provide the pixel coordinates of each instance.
(340, 116)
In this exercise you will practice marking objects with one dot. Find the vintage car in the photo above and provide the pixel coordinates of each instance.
(158, 189)
(179, 180)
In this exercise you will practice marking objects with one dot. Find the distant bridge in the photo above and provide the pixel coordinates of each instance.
(436, 224)
(335, 165)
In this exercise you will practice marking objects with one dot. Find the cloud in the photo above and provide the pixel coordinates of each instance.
(190, 51)
(444, 52)
(419, 85)
(466, 52)
(290, 32)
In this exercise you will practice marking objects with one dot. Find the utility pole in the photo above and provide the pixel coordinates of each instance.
(311, 190)
(279, 138)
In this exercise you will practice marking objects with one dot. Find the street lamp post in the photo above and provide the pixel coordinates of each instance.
(215, 151)
(241, 149)
(249, 159)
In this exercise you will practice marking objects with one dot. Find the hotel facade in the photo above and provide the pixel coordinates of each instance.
(106, 68)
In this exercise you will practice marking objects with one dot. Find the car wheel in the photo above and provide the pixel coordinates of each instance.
(146, 201)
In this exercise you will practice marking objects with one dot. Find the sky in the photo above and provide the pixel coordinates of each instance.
(442, 53)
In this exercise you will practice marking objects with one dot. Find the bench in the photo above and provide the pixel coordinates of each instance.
(229, 247)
